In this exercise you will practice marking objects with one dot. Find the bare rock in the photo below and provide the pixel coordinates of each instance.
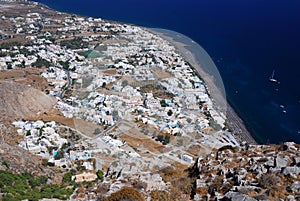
(281, 162)
(291, 198)
(295, 187)
(293, 171)
(235, 196)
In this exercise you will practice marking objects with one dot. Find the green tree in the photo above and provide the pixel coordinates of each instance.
(28, 133)
(167, 139)
(170, 112)
(40, 62)
(100, 175)
(65, 64)
(4, 163)
(67, 178)
(26, 186)
(163, 103)
(160, 138)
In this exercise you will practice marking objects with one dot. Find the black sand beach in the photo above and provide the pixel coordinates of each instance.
(203, 65)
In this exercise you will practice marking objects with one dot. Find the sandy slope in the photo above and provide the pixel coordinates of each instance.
(21, 101)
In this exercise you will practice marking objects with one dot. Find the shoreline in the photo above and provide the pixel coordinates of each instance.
(234, 121)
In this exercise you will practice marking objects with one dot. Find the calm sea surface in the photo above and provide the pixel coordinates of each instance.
(246, 39)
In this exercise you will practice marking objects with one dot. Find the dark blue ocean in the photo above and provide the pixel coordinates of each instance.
(246, 39)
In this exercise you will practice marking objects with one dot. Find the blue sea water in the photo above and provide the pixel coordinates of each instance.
(246, 39)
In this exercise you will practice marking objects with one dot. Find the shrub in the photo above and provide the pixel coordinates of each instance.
(126, 193)
(139, 184)
(75, 43)
(41, 62)
(97, 131)
(67, 178)
(100, 175)
(163, 103)
(26, 186)
(170, 112)
(4, 163)
(163, 139)
(159, 196)
(268, 181)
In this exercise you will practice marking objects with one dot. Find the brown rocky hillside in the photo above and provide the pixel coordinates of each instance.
(16, 160)
(256, 172)
(20, 101)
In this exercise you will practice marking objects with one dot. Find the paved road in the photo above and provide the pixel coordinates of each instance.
(103, 133)
(64, 89)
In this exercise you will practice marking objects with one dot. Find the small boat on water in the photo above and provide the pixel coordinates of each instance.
(284, 111)
(272, 79)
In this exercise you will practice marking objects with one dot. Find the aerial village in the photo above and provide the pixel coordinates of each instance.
(144, 97)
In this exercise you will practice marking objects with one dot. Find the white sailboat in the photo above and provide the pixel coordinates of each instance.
(272, 79)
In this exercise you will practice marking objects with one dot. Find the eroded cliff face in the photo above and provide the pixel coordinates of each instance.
(257, 172)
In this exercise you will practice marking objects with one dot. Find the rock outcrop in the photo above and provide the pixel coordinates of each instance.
(256, 172)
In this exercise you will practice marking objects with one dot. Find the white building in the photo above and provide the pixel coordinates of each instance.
(187, 158)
